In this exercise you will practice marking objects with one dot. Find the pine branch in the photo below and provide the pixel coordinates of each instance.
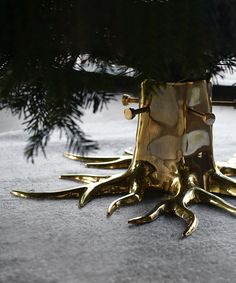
(46, 46)
(97, 82)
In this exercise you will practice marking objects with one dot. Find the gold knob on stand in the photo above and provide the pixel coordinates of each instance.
(130, 113)
(208, 118)
(127, 99)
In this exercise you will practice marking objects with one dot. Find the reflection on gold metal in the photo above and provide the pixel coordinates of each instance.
(75, 192)
(208, 118)
(173, 152)
(122, 162)
(103, 162)
(227, 168)
(90, 158)
(85, 178)
(130, 113)
(187, 193)
(129, 151)
(127, 99)
(112, 185)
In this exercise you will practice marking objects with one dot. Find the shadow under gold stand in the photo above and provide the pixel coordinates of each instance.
(173, 153)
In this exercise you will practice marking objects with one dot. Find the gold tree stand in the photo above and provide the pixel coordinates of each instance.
(173, 153)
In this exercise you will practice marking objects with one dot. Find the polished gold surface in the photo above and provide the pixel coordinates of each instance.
(83, 178)
(127, 99)
(74, 192)
(122, 162)
(228, 168)
(103, 162)
(130, 113)
(208, 118)
(187, 193)
(173, 153)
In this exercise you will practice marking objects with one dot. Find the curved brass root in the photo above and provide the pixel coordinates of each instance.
(209, 198)
(227, 168)
(134, 181)
(103, 162)
(222, 184)
(131, 198)
(114, 185)
(90, 158)
(150, 216)
(129, 151)
(190, 218)
(178, 206)
(122, 162)
(75, 192)
(84, 178)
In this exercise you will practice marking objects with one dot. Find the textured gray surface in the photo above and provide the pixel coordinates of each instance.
(54, 241)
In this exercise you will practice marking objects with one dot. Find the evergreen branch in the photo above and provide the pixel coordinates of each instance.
(97, 82)
(47, 46)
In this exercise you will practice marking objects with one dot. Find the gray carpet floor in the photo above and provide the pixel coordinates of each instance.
(55, 241)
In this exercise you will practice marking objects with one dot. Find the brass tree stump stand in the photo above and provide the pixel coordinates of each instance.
(173, 153)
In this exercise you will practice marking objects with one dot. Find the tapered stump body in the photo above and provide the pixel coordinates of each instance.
(173, 152)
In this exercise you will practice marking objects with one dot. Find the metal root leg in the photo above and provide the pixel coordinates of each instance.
(132, 182)
(228, 168)
(84, 178)
(103, 162)
(123, 162)
(106, 185)
(222, 184)
(178, 205)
